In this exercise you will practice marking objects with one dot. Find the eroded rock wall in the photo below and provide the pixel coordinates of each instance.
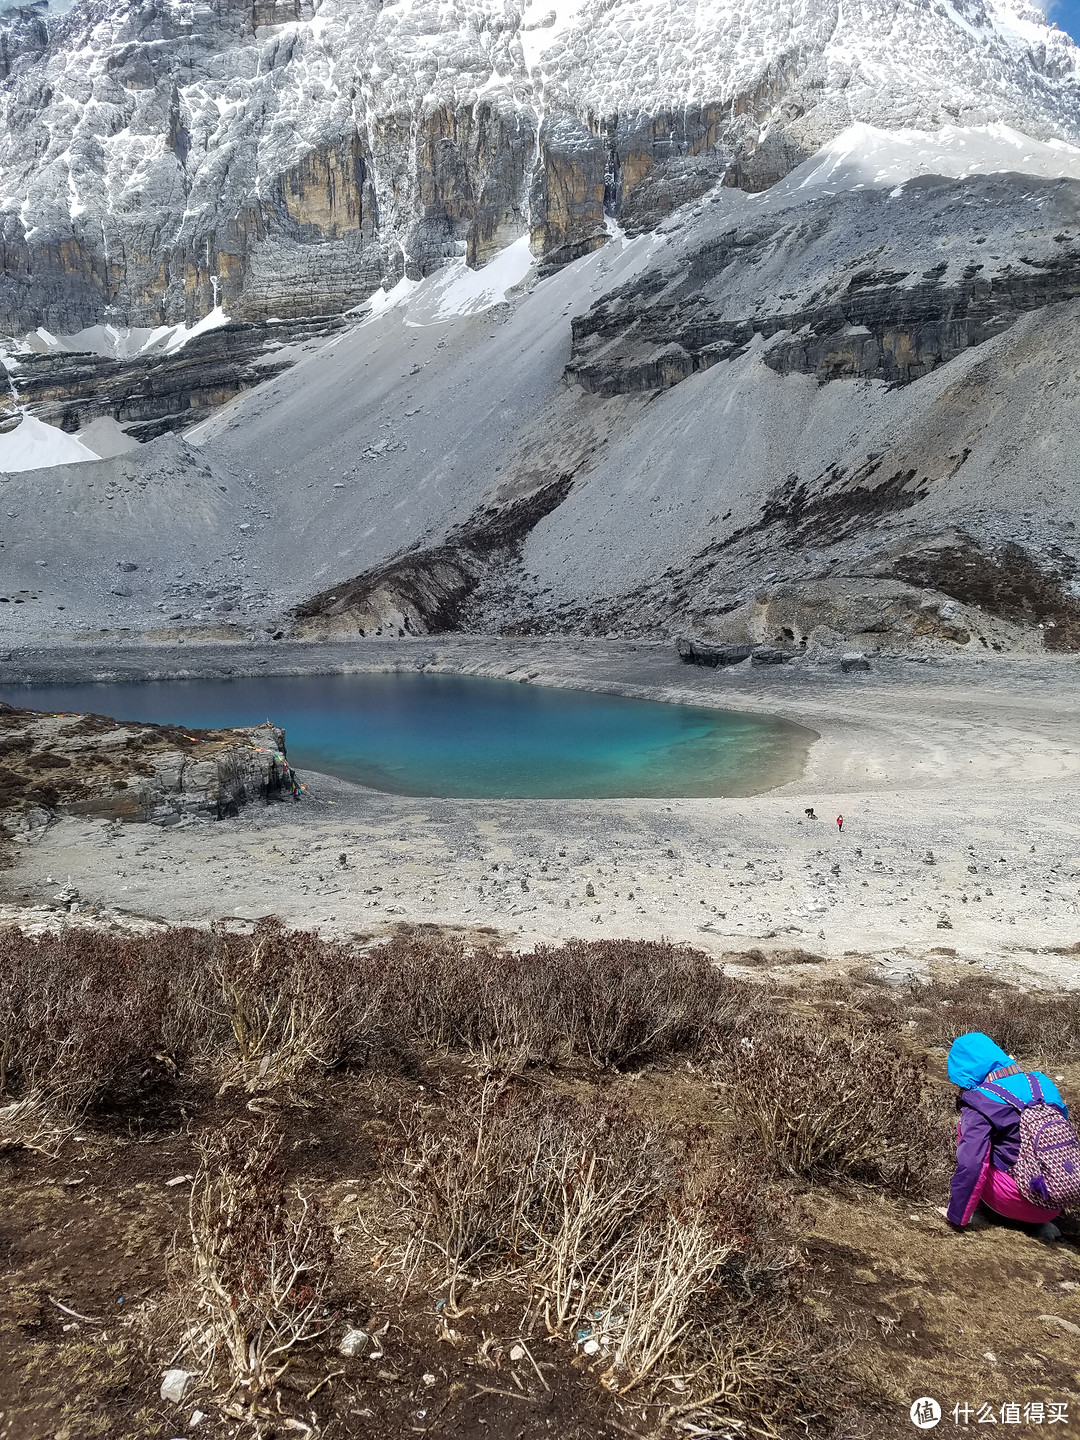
(156, 159)
(892, 310)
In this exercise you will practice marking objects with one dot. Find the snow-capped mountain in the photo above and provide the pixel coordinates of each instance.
(754, 320)
(283, 158)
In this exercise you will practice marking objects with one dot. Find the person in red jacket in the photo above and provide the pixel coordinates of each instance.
(840, 824)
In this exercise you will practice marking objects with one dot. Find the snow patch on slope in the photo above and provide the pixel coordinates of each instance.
(34, 445)
(126, 343)
(864, 155)
(456, 290)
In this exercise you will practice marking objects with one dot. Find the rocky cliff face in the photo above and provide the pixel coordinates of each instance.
(759, 388)
(937, 266)
(152, 394)
(284, 158)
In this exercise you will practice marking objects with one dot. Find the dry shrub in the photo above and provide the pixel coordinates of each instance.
(77, 1010)
(843, 1098)
(250, 1286)
(624, 1002)
(290, 1001)
(1030, 1024)
(84, 1012)
(618, 1231)
(607, 1003)
(30, 1125)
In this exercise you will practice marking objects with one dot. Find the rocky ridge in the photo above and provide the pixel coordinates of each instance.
(998, 246)
(153, 394)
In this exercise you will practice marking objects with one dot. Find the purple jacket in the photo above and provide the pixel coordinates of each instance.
(988, 1136)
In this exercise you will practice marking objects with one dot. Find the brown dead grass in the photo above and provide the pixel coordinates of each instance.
(484, 1162)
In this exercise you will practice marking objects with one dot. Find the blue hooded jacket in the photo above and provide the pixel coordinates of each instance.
(973, 1056)
(989, 1131)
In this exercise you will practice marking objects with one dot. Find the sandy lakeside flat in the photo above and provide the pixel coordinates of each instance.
(958, 779)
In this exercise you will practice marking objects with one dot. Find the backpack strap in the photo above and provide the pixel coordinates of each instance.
(1000, 1093)
(1036, 1089)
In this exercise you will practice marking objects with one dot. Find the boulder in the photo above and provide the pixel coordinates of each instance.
(91, 765)
(713, 656)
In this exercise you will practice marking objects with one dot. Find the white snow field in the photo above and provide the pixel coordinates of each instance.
(124, 342)
(32, 445)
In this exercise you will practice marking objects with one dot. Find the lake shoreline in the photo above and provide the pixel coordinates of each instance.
(959, 781)
(427, 732)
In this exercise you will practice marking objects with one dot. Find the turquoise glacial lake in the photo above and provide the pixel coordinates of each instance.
(450, 735)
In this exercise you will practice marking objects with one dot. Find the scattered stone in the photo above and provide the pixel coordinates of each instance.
(1066, 1325)
(853, 661)
(175, 1384)
(353, 1343)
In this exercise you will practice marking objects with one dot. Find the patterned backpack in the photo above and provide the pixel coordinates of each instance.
(1047, 1169)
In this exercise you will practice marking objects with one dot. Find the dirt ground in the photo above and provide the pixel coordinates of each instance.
(985, 1318)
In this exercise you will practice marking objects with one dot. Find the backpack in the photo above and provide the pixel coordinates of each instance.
(1047, 1169)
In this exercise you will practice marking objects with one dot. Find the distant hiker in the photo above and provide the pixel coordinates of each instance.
(810, 813)
(840, 824)
(1016, 1151)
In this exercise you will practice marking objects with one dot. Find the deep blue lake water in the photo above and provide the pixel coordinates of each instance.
(450, 735)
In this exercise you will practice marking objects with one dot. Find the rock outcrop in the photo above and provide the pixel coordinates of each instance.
(1008, 244)
(425, 592)
(152, 394)
(90, 765)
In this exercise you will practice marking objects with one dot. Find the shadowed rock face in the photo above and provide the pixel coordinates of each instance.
(426, 591)
(155, 159)
(1011, 244)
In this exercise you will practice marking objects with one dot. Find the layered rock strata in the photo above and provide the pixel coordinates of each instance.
(1008, 244)
(150, 395)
